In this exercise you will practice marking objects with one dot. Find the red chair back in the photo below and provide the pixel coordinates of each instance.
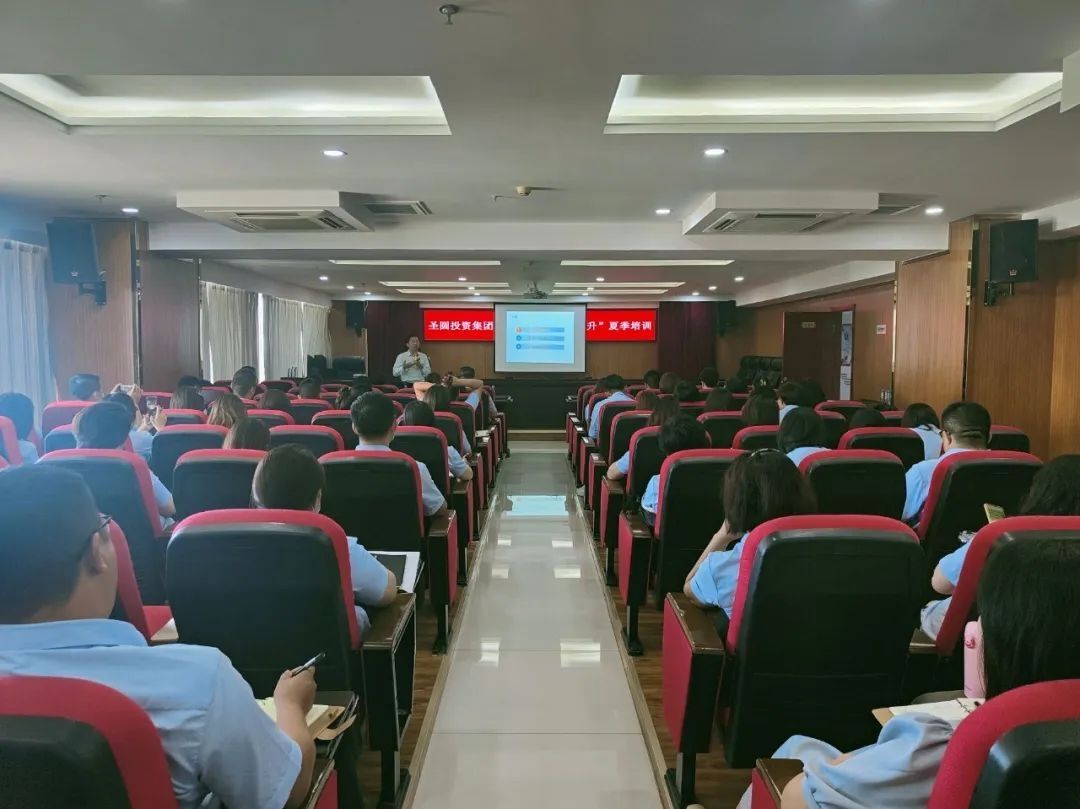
(905, 444)
(212, 479)
(835, 427)
(283, 385)
(386, 388)
(272, 418)
(164, 398)
(340, 421)
(645, 461)
(583, 394)
(318, 438)
(304, 410)
(172, 442)
(129, 606)
(452, 428)
(211, 393)
(692, 409)
(59, 413)
(426, 445)
(893, 417)
(759, 437)
(1012, 439)
(174, 416)
(607, 418)
(845, 407)
(623, 427)
(62, 437)
(722, 426)
(856, 481)
(467, 416)
(9, 442)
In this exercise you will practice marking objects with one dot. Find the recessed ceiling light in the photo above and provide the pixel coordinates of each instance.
(334, 152)
(349, 286)
(934, 210)
(324, 277)
(739, 279)
(712, 288)
(695, 292)
(600, 278)
(584, 294)
(471, 289)
(368, 292)
(476, 294)
(462, 278)
(589, 289)
(129, 210)
(663, 211)
(715, 151)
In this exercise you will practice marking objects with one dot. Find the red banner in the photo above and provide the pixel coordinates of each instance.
(620, 325)
(473, 325)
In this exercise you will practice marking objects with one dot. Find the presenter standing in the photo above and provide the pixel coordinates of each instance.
(412, 365)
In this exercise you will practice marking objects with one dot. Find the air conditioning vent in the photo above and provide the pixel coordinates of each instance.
(279, 211)
(753, 222)
(896, 204)
(416, 208)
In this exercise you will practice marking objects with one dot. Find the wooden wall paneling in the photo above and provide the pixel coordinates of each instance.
(931, 313)
(629, 360)
(344, 341)
(450, 356)
(737, 342)
(85, 337)
(168, 318)
(1063, 259)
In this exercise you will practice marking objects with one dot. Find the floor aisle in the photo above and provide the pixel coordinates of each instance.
(537, 711)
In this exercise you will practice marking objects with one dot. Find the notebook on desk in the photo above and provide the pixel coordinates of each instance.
(405, 566)
(319, 718)
(953, 711)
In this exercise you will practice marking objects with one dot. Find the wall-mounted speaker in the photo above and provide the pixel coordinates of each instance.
(725, 317)
(354, 315)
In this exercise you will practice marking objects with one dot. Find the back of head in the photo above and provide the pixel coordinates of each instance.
(275, 400)
(438, 398)
(244, 382)
(760, 410)
(736, 384)
(49, 519)
(84, 386)
(467, 372)
(124, 400)
(247, 433)
(814, 393)
(373, 416)
(187, 397)
(686, 392)
(801, 427)
(967, 423)
(668, 381)
(614, 382)
(188, 381)
(665, 409)
(1029, 603)
(20, 410)
(288, 477)
(600, 387)
(652, 379)
(1055, 491)
(646, 400)
(719, 399)
(434, 377)
(419, 414)
(226, 411)
(763, 486)
(104, 425)
(920, 414)
(310, 388)
(682, 432)
(792, 393)
(865, 417)
(709, 377)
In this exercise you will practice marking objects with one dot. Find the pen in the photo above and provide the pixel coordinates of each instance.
(308, 665)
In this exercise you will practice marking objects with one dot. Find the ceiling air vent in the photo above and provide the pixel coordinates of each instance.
(779, 212)
(896, 204)
(753, 222)
(416, 208)
(279, 211)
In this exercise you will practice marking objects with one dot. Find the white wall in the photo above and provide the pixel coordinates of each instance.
(229, 275)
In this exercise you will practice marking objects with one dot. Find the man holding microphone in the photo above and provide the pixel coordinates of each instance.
(412, 365)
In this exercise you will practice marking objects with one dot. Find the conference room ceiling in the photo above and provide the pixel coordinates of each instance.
(527, 91)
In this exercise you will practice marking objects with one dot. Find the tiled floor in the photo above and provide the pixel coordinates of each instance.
(536, 711)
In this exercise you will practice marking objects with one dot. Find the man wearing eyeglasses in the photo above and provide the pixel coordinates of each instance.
(58, 578)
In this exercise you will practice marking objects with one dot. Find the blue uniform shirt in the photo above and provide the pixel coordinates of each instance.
(429, 492)
(797, 454)
(931, 438)
(142, 443)
(216, 738)
(917, 481)
(933, 614)
(473, 399)
(594, 422)
(28, 452)
(458, 466)
(623, 464)
(784, 411)
(650, 501)
(369, 580)
(714, 582)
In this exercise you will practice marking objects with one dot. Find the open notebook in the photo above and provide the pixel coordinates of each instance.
(953, 711)
(405, 566)
(319, 718)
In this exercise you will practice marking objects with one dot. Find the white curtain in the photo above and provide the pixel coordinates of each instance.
(24, 323)
(316, 330)
(282, 338)
(228, 319)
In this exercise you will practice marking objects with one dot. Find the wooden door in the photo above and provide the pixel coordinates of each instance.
(812, 348)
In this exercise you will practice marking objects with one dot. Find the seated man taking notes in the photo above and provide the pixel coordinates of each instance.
(57, 588)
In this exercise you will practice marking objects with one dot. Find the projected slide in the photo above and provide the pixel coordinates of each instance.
(539, 338)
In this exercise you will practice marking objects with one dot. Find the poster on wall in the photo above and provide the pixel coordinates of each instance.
(620, 325)
(459, 325)
(847, 351)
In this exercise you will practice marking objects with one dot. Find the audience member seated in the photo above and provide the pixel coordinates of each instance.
(617, 386)
(346, 396)
(311, 388)
(965, 427)
(226, 411)
(736, 384)
(708, 378)
(1054, 492)
(420, 414)
(719, 400)
(686, 392)
(243, 383)
(599, 387)
(276, 400)
(758, 487)
(55, 600)
(107, 425)
(438, 397)
(760, 410)
(85, 387)
(866, 417)
(921, 418)
(466, 378)
(247, 433)
(677, 434)
(663, 411)
(373, 418)
(188, 381)
(667, 383)
(789, 396)
(802, 433)
(291, 477)
(646, 400)
(187, 397)
(652, 379)
(20, 410)
(814, 393)
(1029, 602)
(142, 427)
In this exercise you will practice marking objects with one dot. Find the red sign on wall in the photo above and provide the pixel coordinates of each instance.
(474, 325)
(620, 325)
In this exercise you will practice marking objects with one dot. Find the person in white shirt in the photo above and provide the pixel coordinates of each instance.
(412, 365)
(802, 433)
(921, 418)
(616, 385)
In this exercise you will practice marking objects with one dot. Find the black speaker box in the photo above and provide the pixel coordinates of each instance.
(1014, 250)
(354, 314)
(725, 316)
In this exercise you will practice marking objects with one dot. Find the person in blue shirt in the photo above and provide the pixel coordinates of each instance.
(802, 433)
(966, 427)
(662, 410)
(866, 417)
(420, 414)
(789, 395)
(85, 387)
(678, 433)
(58, 578)
(921, 418)
(291, 477)
(142, 439)
(617, 387)
(1054, 492)
(599, 387)
(1029, 603)
(19, 408)
(758, 487)
(105, 425)
(373, 421)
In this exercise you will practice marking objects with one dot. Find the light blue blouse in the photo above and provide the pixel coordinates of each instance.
(28, 452)
(714, 582)
(917, 481)
(797, 454)
(933, 614)
(931, 438)
(784, 411)
(623, 464)
(369, 580)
